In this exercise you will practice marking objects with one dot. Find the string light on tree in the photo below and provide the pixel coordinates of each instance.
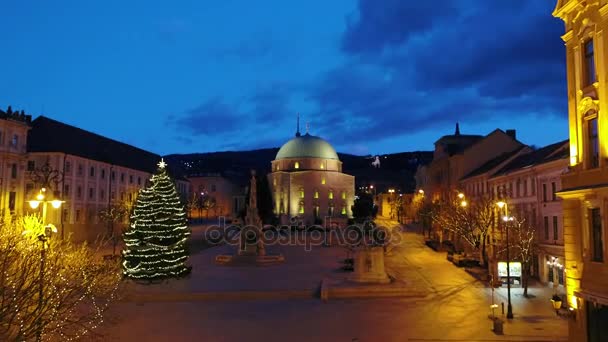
(155, 244)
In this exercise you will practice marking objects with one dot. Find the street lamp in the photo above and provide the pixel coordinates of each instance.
(43, 238)
(507, 219)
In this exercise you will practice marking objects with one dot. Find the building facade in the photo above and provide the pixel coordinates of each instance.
(307, 182)
(585, 186)
(455, 157)
(13, 157)
(216, 196)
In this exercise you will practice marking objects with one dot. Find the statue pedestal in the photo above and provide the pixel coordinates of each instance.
(369, 266)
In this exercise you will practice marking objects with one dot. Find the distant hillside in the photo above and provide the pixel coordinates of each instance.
(396, 170)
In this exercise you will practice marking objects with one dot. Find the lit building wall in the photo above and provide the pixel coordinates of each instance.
(585, 186)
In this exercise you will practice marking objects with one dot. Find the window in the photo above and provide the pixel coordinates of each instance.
(323, 180)
(301, 192)
(78, 192)
(343, 195)
(68, 166)
(533, 186)
(525, 187)
(594, 146)
(66, 215)
(322, 166)
(12, 198)
(113, 175)
(80, 169)
(316, 211)
(77, 218)
(518, 187)
(597, 244)
(555, 230)
(316, 193)
(15, 140)
(130, 179)
(122, 177)
(92, 172)
(553, 191)
(91, 193)
(590, 77)
(331, 194)
(546, 227)
(343, 210)
(102, 194)
(296, 165)
(29, 187)
(544, 192)
(31, 165)
(103, 173)
(14, 171)
(330, 210)
(138, 180)
(301, 209)
(66, 190)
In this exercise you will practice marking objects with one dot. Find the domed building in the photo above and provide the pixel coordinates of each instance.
(307, 182)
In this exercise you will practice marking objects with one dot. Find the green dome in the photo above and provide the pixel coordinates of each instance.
(307, 146)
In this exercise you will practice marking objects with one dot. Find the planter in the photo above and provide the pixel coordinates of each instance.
(557, 304)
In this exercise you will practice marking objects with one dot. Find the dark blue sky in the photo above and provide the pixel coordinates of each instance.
(371, 76)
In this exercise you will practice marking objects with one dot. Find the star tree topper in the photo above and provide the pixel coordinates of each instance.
(162, 163)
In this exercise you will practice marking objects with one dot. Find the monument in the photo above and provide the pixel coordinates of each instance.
(250, 241)
(251, 248)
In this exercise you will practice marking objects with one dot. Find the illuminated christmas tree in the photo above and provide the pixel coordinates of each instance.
(155, 243)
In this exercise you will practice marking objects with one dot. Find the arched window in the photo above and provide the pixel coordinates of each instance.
(323, 180)
(316, 193)
(330, 194)
(301, 192)
(296, 165)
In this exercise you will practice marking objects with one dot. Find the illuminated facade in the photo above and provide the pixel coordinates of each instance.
(307, 182)
(13, 133)
(585, 186)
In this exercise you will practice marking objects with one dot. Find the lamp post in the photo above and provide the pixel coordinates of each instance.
(43, 238)
(507, 219)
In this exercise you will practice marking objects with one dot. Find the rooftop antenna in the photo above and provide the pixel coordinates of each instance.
(307, 126)
(298, 126)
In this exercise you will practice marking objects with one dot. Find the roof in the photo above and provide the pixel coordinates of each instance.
(307, 146)
(558, 150)
(492, 163)
(456, 143)
(48, 135)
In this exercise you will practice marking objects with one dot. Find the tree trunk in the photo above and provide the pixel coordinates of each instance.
(482, 254)
(524, 279)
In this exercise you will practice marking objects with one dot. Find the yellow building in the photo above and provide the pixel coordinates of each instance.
(13, 133)
(585, 186)
(307, 182)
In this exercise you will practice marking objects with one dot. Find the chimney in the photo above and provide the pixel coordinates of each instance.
(511, 133)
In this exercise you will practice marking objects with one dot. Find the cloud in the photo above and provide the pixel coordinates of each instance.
(412, 68)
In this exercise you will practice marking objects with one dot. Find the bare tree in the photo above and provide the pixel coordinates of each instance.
(207, 203)
(522, 239)
(470, 221)
(114, 214)
(50, 289)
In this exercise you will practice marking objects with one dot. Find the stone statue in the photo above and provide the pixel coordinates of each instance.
(251, 235)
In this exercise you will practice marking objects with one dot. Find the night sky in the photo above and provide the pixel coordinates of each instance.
(371, 76)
